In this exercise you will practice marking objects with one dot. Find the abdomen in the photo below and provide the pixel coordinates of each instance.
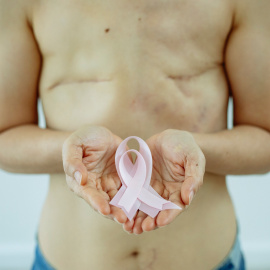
(199, 238)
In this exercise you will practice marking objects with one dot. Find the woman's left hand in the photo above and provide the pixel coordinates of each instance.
(178, 170)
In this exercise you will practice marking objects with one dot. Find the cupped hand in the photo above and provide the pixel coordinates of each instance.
(89, 165)
(178, 170)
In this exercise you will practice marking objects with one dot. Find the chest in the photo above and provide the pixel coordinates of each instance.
(133, 27)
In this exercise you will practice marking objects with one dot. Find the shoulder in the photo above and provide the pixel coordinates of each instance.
(252, 13)
(20, 64)
(14, 11)
(247, 62)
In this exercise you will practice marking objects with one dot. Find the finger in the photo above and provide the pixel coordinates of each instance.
(117, 213)
(72, 162)
(165, 217)
(98, 199)
(194, 172)
(128, 225)
(149, 224)
(137, 228)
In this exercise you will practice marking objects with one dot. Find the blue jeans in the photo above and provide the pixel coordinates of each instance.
(234, 260)
(40, 263)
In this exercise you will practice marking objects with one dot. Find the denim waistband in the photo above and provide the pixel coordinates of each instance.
(235, 259)
(40, 263)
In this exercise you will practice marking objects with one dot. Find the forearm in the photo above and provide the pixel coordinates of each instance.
(241, 150)
(30, 149)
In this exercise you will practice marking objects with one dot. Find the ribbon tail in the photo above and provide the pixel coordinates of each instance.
(151, 199)
(129, 198)
(168, 204)
(149, 210)
(135, 184)
(130, 215)
(154, 192)
(115, 201)
(152, 202)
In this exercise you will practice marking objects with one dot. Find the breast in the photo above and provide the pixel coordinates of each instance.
(156, 103)
(151, 64)
(191, 33)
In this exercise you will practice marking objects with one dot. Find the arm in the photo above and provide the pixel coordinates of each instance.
(25, 148)
(246, 148)
(30, 149)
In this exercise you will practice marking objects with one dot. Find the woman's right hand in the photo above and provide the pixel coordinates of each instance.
(89, 164)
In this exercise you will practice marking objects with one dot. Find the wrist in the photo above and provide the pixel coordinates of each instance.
(201, 140)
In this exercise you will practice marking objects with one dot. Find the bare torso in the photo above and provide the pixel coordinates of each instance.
(137, 68)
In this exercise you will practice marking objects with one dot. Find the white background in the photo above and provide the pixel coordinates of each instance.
(22, 197)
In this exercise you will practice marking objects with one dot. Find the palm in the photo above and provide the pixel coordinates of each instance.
(93, 150)
(165, 187)
(167, 178)
(178, 169)
(103, 181)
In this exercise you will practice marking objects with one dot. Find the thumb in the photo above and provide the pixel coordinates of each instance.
(194, 172)
(72, 155)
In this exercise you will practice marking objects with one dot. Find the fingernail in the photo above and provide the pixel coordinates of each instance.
(78, 177)
(191, 195)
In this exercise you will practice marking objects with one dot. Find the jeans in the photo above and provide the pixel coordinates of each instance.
(234, 260)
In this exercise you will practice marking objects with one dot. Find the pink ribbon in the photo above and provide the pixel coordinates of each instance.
(136, 192)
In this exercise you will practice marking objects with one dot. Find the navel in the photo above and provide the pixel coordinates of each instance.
(134, 254)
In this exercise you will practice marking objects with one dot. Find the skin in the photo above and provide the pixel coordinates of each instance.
(161, 72)
(178, 170)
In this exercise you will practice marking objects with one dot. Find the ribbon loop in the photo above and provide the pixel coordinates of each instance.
(135, 183)
(136, 192)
